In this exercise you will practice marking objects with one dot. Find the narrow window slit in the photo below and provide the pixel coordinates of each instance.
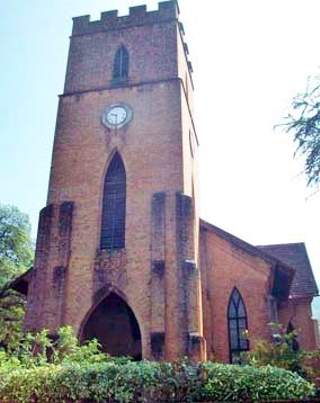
(114, 206)
(121, 65)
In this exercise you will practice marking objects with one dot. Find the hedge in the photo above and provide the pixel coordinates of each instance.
(116, 381)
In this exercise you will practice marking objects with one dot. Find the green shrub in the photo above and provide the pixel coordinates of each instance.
(39, 349)
(42, 370)
(241, 383)
(150, 382)
(285, 353)
(279, 353)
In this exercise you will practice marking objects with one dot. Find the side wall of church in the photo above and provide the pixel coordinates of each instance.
(223, 267)
(298, 312)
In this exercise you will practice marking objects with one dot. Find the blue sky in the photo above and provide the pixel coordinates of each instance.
(250, 58)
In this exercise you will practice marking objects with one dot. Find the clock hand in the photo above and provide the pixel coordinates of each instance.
(116, 117)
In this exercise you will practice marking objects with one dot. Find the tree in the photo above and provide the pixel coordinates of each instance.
(304, 123)
(16, 254)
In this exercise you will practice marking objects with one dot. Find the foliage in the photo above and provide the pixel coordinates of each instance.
(16, 255)
(304, 123)
(43, 370)
(38, 349)
(15, 245)
(150, 382)
(311, 365)
(284, 353)
(279, 353)
(243, 383)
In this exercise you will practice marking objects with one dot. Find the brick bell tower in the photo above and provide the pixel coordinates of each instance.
(117, 246)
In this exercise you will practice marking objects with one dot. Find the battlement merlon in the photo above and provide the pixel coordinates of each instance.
(167, 10)
(109, 21)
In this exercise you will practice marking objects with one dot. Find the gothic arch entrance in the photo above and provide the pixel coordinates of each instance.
(115, 326)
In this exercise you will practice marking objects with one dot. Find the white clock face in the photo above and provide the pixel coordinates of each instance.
(116, 116)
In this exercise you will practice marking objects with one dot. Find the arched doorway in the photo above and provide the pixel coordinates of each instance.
(115, 326)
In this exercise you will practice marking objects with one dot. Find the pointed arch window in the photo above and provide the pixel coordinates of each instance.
(237, 325)
(121, 65)
(114, 206)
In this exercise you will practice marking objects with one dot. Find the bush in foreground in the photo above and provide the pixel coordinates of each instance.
(150, 382)
(284, 352)
(42, 370)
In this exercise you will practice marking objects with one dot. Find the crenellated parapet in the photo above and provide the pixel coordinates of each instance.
(167, 10)
(138, 16)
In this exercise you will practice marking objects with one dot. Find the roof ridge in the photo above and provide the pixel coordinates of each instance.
(281, 244)
(264, 255)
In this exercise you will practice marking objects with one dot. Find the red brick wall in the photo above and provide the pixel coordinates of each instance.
(150, 39)
(298, 311)
(223, 267)
(151, 147)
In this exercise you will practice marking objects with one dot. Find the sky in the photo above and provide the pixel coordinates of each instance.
(250, 58)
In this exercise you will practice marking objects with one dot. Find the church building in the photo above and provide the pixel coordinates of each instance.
(122, 254)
